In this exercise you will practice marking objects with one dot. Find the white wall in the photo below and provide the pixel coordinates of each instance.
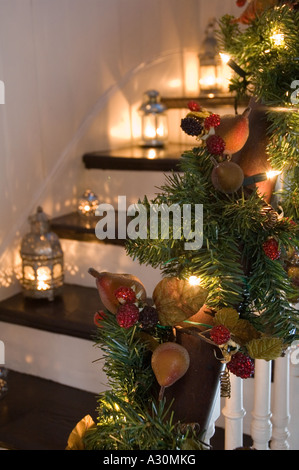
(74, 73)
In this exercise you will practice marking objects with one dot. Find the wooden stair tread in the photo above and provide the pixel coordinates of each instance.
(70, 314)
(136, 158)
(38, 414)
(74, 226)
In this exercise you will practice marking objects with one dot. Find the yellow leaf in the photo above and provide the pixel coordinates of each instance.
(227, 317)
(75, 440)
(244, 332)
(176, 300)
(266, 348)
(150, 342)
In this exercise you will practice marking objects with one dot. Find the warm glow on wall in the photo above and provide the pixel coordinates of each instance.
(191, 74)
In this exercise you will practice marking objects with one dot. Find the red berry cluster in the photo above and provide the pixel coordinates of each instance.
(125, 295)
(241, 365)
(193, 106)
(215, 145)
(271, 249)
(212, 121)
(220, 334)
(127, 315)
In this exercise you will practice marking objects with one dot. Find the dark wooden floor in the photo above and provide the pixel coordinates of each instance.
(38, 414)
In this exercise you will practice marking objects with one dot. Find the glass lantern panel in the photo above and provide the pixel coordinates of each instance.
(149, 127)
(29, 273)
(57, 270)
(161, 127)
(208, 78)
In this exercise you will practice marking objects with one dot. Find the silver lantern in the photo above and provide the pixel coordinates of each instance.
(3, 381)
(88, 203)
(214, 73)
(42, 260)
(154, 120)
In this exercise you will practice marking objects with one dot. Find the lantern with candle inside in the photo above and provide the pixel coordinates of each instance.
(154, 120)
(88, 203)
(42, 260)
(214, 73)
(3, 381)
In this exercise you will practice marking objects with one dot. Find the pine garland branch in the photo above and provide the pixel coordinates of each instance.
(130, 415)
(125, 426)
(126, 359)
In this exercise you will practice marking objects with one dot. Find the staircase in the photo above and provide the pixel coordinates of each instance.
(54, 370)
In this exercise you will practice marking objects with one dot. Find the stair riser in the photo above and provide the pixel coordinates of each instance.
(79, 256)
(63, 359)
(109, 184)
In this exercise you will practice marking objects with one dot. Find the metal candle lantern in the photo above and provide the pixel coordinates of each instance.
(3, 382)
(154, 120)
(42, 260)
(88, 203)
(214, 73)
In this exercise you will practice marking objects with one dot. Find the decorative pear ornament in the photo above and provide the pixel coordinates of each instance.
(170, 361)
(227, 177)
(234, 130)
(107, 284)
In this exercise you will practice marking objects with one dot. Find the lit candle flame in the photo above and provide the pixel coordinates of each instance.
(150, 132)
(41, 285)
(43, 274)
(152, 154)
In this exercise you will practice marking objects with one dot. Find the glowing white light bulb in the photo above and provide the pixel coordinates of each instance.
(194, 280)
(272, 174)
(224, 57)
(277, 38)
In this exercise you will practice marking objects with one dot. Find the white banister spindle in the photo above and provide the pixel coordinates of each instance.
(261, 426)
(281, 404)
(214, 416)
(234, 413)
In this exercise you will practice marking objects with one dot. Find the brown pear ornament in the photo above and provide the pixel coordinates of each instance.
(227, 177)
(234, 130)
(170, 361)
